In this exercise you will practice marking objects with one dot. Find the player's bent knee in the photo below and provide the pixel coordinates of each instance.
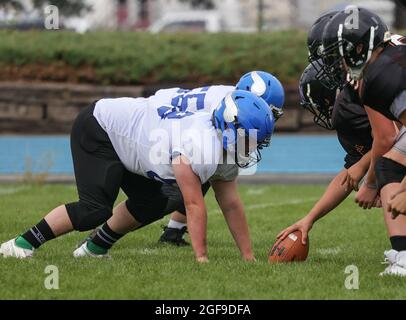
(388, 171)
(86, 218)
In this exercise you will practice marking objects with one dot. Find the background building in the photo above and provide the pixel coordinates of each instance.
(235, 15)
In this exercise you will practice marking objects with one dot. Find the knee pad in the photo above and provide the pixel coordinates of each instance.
(86, 218)
(388, 171)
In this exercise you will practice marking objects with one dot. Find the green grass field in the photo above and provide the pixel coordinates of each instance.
(142, 269)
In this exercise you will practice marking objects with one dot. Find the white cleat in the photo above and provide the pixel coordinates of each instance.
(397, 263)
(11, 250)
(390, 257)
(394, 270)
(84, 252)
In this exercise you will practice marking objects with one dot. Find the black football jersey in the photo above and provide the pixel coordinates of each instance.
(351, 122)
(385, 78)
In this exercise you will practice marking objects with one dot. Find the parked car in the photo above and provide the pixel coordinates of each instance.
(189, 21)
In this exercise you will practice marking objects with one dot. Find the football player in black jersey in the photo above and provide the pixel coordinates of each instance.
(356, 41)
(353, 129)
(346, 115)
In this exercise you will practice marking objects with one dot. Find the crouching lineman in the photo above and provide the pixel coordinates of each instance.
(377, 60)
(348, 118)
(143, 145)
(262, 84)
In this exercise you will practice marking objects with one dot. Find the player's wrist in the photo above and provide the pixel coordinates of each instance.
(248, 255)
(371, 185)
(249, 258)
(202, 259)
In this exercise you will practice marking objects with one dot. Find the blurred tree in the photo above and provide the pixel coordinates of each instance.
(66, 7)
(204, 4)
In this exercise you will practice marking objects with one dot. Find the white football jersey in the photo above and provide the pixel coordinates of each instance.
(147, 133)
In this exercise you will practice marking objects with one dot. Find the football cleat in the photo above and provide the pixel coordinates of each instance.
(390, 257)
(11, 250)
(174, 236)
(89, 237)
(397, 263)
(83, 252)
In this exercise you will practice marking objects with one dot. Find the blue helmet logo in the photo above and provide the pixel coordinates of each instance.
(266, 86)
(244, 114)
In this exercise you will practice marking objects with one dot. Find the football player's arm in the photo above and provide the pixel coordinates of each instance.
(233, 210)
(356, 172)
(191, 188)
(397, 202)
(397, 205)
(332, 197)
(384, 133)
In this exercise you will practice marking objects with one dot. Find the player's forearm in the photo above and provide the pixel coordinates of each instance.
(365, 161)
(378, 150)
(197, 226)
(332, 197)
(238, 225)
(403, 184)
(384, 133)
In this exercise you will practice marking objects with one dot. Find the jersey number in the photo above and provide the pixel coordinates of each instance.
(181, 103)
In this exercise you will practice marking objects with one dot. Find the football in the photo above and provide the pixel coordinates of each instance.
(290, 249)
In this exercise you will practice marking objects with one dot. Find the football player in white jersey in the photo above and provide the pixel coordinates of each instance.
(147, 148)
(262, 84)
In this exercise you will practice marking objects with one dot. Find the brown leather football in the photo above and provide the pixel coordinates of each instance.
(290, 249)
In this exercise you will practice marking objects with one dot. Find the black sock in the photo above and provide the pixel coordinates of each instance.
(105, 237)
(39, 234)
(398, 243)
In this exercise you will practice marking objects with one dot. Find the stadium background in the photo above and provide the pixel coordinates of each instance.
(132, 48)
(107, 48)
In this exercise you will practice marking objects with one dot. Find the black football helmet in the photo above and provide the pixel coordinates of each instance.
(315, 43)
(315, 36)
(351, 34)
(316, 98)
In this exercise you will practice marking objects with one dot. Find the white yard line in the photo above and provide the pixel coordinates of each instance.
(256, 192)
(275, 204)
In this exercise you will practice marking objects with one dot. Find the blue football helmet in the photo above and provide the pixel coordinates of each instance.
(266, 86)
(243, 114)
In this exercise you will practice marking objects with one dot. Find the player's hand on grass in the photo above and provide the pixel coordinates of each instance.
(366, 197)
(353, 177)
(203, 259)
(397, 204)
(249, 257)
(378, 202)
(304, 226)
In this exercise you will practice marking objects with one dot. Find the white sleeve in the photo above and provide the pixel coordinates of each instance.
(399, 105)
(204, 171)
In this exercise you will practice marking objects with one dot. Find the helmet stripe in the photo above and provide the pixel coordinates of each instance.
(231, 110)
(371, 42)
(259, 85)
(308, 93)
(340, 39)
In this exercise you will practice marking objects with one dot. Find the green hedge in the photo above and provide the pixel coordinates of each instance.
(142, 58)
